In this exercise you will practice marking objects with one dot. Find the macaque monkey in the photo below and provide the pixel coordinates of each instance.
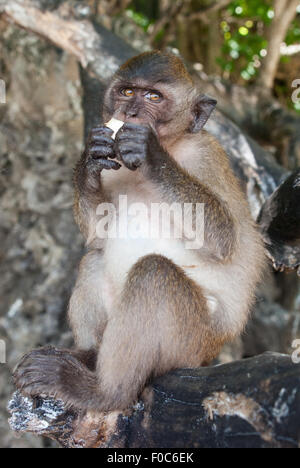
(144, 306)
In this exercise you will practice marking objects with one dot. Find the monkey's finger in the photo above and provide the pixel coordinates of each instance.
(131, 160)
(99, 164)
(102, 140)
(129, 135)
(101, 130)
(99, 151)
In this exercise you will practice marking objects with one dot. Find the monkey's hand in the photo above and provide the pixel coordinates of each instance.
(138, 145)
(99, 149)
(55, 373)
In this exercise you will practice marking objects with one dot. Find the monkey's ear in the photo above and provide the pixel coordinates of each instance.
(202, 109)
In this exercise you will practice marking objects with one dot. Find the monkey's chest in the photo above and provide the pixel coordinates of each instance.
(140, 224)
(137, 231)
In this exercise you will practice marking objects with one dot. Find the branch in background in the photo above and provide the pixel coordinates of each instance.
(79, 37)
(112, 7)
(168, 16)
(202, 14)
(285, 11)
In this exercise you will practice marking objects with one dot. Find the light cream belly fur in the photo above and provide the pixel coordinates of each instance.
(221, 284)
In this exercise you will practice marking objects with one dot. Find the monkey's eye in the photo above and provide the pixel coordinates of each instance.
(128, 92)
(154, 97)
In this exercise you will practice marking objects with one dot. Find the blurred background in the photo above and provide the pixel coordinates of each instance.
(245, 53)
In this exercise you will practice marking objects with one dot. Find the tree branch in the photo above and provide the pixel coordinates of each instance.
(240, 404)
(78, 37)
(202, 14)
(168, 16)
(285, 11)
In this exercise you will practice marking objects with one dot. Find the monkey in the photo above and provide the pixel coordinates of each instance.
(142, 307)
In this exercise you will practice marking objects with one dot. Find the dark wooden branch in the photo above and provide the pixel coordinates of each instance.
(250, 403)
(280, 224)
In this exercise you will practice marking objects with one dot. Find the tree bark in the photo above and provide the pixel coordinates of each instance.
(285, 12)
(254, 403)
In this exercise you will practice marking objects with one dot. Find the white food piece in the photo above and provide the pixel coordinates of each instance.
(115, 125)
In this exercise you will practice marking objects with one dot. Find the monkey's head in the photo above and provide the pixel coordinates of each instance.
(155, 89)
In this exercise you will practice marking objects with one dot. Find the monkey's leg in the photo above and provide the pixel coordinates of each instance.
(48, 370)
(162, 323)
(87, 315)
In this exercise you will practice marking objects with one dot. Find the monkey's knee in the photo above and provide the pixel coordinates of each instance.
(156, 269)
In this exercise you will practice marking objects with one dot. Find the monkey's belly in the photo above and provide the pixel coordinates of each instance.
(122, 254)
(224, 287)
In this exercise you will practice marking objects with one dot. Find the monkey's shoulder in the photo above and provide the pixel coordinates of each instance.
(203, 157)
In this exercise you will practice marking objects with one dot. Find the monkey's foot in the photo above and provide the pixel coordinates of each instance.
(56, 373)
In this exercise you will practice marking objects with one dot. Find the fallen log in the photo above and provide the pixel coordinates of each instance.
(251, 403)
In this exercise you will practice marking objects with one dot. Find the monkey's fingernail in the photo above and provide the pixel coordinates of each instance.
(115, 125)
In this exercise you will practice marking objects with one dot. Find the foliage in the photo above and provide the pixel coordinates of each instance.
(244, 42)
(243, 29)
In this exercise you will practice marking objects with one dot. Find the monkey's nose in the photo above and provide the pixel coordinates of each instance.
(130, 113)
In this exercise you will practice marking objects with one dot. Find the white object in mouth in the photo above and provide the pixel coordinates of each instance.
(115, 125)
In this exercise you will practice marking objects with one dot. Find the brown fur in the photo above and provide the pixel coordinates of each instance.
(140, 309)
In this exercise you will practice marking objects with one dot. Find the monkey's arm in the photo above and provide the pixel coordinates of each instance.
(138, 146)
(178, 186)
(87, 180)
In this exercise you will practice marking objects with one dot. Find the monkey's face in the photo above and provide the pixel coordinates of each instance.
(155, 89)
(166, 109)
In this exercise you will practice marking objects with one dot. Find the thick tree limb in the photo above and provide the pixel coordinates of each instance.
(285, 11)
(251, 403)
(92, 46)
